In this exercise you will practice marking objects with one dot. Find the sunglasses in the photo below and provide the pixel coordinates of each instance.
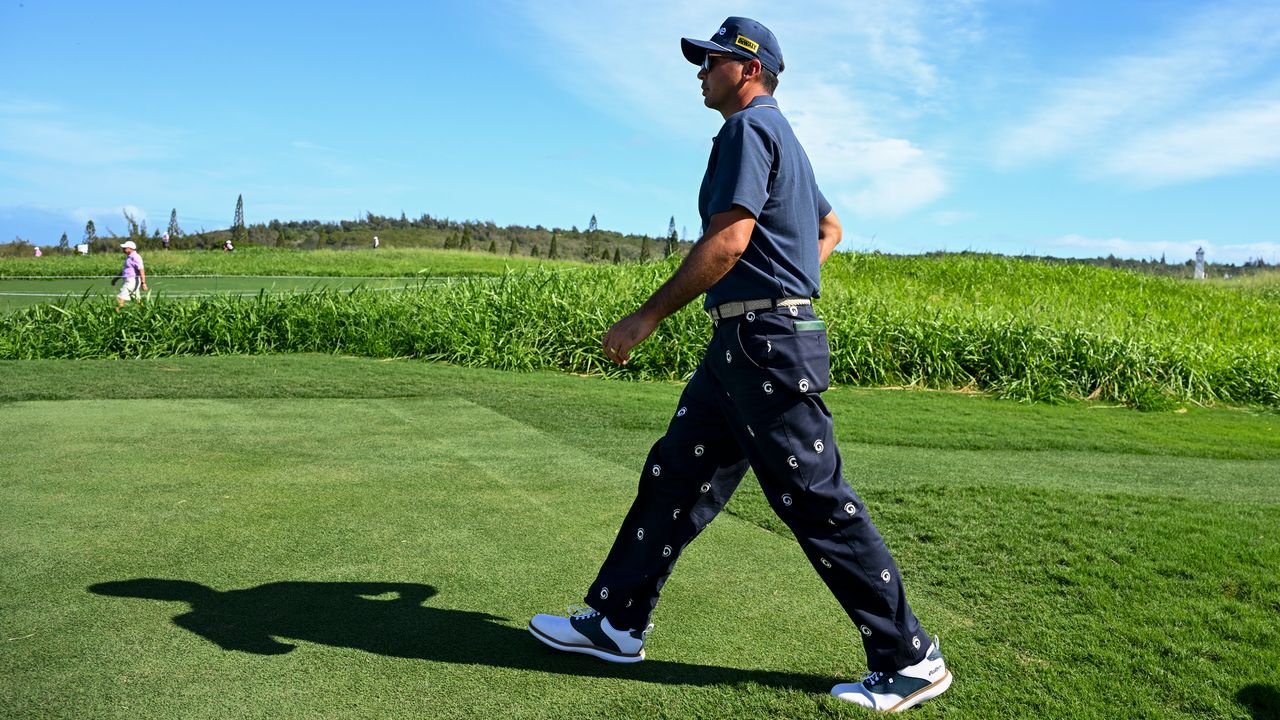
(709, 60)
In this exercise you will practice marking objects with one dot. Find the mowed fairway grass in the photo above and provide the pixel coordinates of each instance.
(319, 536)
(19, 293)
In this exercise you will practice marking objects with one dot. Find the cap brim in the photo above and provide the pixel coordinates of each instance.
(696, 50)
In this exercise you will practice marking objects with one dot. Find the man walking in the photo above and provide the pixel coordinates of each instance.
(133, 274)
(755, 398)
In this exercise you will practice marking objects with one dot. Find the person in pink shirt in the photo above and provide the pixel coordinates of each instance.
(133, 273)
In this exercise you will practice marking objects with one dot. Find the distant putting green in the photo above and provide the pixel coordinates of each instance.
(18, 293)
(299, 536)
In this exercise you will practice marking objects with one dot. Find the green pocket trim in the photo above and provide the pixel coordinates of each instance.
(810, 325)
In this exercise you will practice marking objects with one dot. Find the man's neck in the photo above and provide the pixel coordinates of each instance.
(744, 99)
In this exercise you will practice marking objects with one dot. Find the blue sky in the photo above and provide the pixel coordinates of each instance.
(1047, 127)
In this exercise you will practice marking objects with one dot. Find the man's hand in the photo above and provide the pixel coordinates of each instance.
(714, 255)
(115, 280)
(625, 334)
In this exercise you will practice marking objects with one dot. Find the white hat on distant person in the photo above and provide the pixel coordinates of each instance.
(129, 244)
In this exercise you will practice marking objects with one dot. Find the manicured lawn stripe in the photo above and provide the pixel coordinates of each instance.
(1077, 561)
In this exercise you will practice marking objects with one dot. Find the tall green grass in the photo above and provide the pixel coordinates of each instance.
(1020, 329)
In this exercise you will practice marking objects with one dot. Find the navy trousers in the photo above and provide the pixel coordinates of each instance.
(754, 401)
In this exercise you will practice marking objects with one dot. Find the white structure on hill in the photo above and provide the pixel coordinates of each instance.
(1200, 263)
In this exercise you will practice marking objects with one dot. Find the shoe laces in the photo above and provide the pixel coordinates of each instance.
(873, 678)
(582, 612)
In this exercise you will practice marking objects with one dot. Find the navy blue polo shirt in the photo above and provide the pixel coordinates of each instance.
(757, 162)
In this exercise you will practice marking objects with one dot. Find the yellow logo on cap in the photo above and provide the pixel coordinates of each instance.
(746, 42)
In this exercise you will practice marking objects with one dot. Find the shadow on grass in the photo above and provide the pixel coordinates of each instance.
(389, 619)
(1262, 701)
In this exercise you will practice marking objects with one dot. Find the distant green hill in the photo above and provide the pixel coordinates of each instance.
(423, 232)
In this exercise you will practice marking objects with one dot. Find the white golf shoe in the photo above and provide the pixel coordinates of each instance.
(588, 632)
(898, 691)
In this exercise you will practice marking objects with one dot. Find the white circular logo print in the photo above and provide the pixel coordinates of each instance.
(698, 450)
(728, 357)
(786, 499)
(604, 593)
(853, 510)
(751, 317)
(793, 462)
(768, 387)
(818, 447)
(628, 603)
(825, 562)
(675, 513)
(657, 470)
(915, 642)
(666, 551)
(682, 411)
(640, 534)
(722, 31)
(884, 575)
(804, 385)
(768, 346)
(865, 630)
(706, 487)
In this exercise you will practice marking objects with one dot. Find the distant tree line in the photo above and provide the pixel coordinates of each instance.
(426, 231)
(1153, 266)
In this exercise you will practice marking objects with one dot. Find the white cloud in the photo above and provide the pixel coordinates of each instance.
(62, 142)
(875, 175)
(1128, 109)
(844, 52)
(1212, 144)
(947, 218)
(102, 216)
(21, 106)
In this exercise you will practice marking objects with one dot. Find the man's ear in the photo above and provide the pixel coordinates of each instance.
(752, 69)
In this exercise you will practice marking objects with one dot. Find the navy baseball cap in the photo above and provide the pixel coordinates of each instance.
(739, 36)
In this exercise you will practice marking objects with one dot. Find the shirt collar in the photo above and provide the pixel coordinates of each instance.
(763, 101)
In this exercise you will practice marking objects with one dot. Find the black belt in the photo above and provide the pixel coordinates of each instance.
(727, 310)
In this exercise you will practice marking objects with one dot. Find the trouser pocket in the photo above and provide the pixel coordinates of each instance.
(792, 353)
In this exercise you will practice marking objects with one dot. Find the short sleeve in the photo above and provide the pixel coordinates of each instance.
(824, 207)
(744, 157)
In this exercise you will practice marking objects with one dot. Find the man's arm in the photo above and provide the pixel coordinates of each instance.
(711, 258)
(829, 234)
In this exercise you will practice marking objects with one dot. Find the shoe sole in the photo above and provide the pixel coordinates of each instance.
(924, 693)
(592, 650)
